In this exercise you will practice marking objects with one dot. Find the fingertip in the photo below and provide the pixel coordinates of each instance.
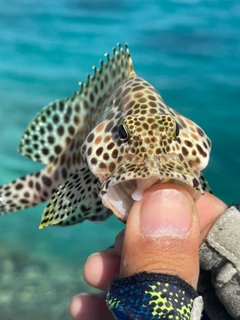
(75, 306)
(100, 268)
(87, 306)
(92, 264)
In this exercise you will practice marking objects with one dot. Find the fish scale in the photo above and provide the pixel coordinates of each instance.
(104, 146)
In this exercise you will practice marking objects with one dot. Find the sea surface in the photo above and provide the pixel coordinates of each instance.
(189, 50)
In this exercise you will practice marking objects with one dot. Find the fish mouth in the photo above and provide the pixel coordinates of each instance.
(120, 191)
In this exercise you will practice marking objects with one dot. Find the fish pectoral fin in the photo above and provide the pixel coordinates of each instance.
(50, 132)
(74, 201)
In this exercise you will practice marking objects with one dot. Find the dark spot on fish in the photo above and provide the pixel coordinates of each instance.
(66, 118)
(77, 107)
(94, 161)
(106, 156)
(85, 104)
(109, 126)
(64, 173)
(34, 137)
(110, 145)
(90, 137)
(61, 105)
(45, 151)
(24, 201)
(19, 186)
(201, 151)
(42, 131)
(58, 149)
(55, 119)
(91, 97)
(76, 120)
(49, 127)
(47, 181)
(38, 186)
(115, 153)
(51, 139)
(99, 151)
(71, 130)
(200, 132)
(89, 151)
(102, 166)
(188, 143)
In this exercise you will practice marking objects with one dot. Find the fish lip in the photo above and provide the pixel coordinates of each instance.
(116, 193)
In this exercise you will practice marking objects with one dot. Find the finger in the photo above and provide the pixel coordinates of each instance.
(101, 267)
(90, 306)
(119, 242)
(162, 234)
(209, 209)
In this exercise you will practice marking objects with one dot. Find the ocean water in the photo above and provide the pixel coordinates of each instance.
(189, 50)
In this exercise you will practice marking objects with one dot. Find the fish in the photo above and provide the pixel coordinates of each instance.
(104, 146)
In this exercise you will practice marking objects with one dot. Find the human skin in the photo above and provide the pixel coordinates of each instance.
(147, 232)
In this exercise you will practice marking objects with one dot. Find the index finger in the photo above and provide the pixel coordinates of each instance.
(209, 208)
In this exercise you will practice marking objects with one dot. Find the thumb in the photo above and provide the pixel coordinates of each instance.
(162, 235)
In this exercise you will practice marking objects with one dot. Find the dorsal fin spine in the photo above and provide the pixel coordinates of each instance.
(108, 58)
(103, 65)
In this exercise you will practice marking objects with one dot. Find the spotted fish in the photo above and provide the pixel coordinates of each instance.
(104, 146)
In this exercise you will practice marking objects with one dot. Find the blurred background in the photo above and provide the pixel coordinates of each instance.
(189, 50)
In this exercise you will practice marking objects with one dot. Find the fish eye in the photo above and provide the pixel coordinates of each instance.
(177, 130)
(122, 133)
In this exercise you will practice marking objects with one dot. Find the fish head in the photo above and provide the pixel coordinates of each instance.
(139, 141)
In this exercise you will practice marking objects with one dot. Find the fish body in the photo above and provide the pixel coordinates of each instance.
(104, 146)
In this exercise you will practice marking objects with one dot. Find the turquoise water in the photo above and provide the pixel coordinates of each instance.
(189, 50)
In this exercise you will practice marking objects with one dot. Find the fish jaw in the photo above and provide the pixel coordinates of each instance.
(128, 183)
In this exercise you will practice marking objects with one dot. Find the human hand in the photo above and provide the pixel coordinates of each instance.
(145, 246)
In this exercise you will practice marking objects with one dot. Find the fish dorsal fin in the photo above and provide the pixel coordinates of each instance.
(56, 125)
